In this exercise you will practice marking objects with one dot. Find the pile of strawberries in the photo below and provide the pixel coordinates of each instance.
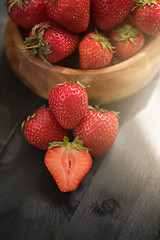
(69, 117)
(101, 31)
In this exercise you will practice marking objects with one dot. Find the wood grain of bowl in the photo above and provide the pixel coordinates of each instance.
(107, 85)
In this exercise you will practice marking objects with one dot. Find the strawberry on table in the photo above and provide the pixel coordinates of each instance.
(146, 16)
(69, 103)
(68, 163)
(27, 13)
(127, 41)
(95, 51)
(73, 15)
(98, 130)
(51, 42)
(107, 14)
(42, 128)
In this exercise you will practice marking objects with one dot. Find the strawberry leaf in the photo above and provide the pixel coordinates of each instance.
(11, 3)
(76, 144)
(125, 33)
(102, 39)
(142, 3)
(36, 44)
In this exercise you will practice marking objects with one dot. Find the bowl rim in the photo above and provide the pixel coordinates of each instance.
(72, 71)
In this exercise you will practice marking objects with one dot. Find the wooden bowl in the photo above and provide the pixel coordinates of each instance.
(107, 85)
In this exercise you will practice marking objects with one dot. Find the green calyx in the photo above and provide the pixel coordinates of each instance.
(126, 32)
(36, 44)
(73, 81)
(97, 108)
(30, 117)
(142, 3)
(11, 3)
(76, 144)
(102, 39)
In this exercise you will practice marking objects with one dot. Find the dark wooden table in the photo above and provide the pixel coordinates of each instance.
(119, 199)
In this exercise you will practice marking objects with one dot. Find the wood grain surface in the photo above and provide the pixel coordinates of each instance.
(117, 200)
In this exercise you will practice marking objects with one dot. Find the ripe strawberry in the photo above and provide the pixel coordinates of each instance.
(98, 130)
(108, 13)
(95, 51)
(68, 163)
(127, 41)
(146, 16)
(73, 15)
(51, 42)
(42, 128)
(69, 103)
(27, 13)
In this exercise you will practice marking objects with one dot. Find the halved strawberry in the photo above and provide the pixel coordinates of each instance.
(68, 162)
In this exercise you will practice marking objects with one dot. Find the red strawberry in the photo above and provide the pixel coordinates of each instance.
(68, 163)
(27, 13)
(51, 42)
(108, 13)
(69, 103)
(146, 16)
(42, 128)
(95, 51)
(98, 130)
(73, 15)
(127, 41)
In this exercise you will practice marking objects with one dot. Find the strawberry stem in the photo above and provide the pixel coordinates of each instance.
(73, 82)
(97, 108)
(125, 33)
(142, 3)
(36, 44)
(11, 3)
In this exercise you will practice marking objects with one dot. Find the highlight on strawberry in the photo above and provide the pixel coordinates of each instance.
(68, 163)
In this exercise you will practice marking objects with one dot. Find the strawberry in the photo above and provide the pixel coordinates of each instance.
(69, 103)
(95, 51)
(107, 14)
(27, 13)
(42, 128)
(68, 162)
(98, 130)
(127, 41)
(51, 42)
(146, 16)
(73, 15)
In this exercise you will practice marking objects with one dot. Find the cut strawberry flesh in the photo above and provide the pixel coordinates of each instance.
(68, 167)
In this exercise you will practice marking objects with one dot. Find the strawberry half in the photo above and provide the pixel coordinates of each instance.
(42, 128)
(68, 162)
(98, 130)
(27, 13)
